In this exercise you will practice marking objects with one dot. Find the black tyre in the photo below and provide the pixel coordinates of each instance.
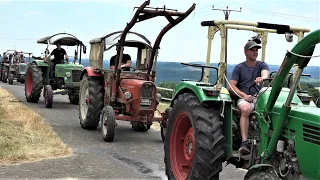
(141, 126)
(90, 102)
(108, 123)
(10, 79)
(73, 98)
(33, 84)
(48, 96)
(194, 140)
(163, 124)
(22, 79)
(262, 175)
(5, 77)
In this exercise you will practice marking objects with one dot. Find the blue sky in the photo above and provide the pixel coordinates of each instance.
(24, 22)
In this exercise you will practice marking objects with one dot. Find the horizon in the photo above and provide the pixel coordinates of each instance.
(88, 20)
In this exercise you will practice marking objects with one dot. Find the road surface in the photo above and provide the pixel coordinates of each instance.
(132, 155)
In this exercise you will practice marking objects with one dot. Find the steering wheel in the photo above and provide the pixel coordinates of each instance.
(134, 69)
(254, 85)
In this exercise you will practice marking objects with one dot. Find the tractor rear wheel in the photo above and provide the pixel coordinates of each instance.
(48, 96)
(90, 102)
(108, 123)
(33, 84)
(194, 143)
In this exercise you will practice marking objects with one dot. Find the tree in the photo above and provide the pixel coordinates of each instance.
(169, 85)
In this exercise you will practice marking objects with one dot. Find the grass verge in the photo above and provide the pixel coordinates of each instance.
(24, 136)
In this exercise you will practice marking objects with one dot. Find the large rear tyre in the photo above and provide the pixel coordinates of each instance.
(108, 123)
(194, 140)
(48, 96)
(33, 84)
(90, 102)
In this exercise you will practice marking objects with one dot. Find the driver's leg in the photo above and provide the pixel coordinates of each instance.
(246, 108)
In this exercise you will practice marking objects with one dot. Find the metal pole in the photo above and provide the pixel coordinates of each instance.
(226, 12)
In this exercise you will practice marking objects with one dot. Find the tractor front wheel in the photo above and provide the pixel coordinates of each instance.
(22, 79)
(194, 140)
(5, 77)
(10, 79)
(33, 84)
(90, 102)
(262, 175)
(108, 123)
(48, 96)
(73, 98)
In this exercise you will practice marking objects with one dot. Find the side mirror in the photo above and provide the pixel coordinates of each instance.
(289, 37)
(84, 49)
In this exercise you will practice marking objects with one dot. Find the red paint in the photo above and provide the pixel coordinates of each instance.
(90, 72)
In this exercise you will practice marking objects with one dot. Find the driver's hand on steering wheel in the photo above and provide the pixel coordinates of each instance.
(258, 80)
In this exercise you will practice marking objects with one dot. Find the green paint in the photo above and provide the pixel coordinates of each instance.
(199, 91)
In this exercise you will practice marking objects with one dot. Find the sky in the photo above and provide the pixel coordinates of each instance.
(26, 21)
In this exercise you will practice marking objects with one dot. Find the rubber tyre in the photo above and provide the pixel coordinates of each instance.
(73, 98)
(164, 125)
(33, 84)
(5, 77)
(206, 130)
(262, 175)
(90, 117)
(108, 123)
(10, 79)
(140, 127)
(22, 79)
(48, 96)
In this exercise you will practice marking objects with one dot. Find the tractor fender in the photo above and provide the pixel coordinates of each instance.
(256, 168)
(40, 63)
(89, 71)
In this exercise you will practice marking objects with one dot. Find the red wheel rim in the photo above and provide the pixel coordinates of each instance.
(29, 83)
(182, 146)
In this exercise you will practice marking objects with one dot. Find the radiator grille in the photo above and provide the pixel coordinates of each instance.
(146, 95)
(311, 134)
(76, 75)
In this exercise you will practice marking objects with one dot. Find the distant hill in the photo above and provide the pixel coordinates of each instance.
(174, 71)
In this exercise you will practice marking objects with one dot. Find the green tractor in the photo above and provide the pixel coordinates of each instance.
(203, 130)
(66, 77)
(18, 67)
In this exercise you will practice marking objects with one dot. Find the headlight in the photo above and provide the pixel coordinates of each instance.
(68, 74)
(127, 95)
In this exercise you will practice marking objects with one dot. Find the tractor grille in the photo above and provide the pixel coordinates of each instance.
(22, 69)
(76, 75)
(146, 95)
(311, 134)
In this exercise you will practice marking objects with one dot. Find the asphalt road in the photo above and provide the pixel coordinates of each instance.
(132, 155)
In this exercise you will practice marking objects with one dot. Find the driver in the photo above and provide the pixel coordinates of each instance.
(58, 54)
(244, 75)
(125, 63)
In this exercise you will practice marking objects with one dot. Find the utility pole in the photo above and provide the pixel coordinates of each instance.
(226, 12)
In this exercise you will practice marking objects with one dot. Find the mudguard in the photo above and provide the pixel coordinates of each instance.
(90, 72)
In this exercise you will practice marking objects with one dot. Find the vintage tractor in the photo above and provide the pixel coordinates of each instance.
(124, 95)
(203, 129)
(18, 67)
(66, 78)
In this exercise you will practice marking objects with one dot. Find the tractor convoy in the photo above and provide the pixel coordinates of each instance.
(200, 128)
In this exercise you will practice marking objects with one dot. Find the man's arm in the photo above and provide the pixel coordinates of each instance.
(65, 53)
(264, 73)
(128, 62)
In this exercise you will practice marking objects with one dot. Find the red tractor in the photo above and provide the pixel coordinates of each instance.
(108, 95)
